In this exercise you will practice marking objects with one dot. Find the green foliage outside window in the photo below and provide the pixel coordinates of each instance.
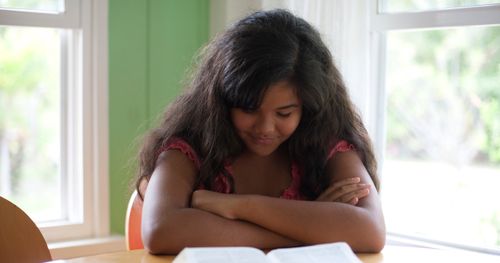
(446, 103)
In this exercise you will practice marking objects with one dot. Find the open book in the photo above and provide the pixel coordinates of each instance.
(338, 252)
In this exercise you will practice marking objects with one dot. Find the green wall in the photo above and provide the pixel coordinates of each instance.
(151, 45)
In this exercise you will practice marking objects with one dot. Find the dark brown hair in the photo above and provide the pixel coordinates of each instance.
(235, 71)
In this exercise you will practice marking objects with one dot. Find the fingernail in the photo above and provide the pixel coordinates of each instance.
(364, 191)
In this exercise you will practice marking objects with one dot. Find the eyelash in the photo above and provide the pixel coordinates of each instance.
(280, 114)
(284, 115)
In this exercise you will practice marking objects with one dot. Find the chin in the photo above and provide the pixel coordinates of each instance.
(262, 152)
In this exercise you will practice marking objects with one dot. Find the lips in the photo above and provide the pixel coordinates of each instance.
(262, 140)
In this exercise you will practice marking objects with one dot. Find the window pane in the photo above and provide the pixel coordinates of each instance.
(30, 120)
(442, 168)
(393, 6)
(34, 5)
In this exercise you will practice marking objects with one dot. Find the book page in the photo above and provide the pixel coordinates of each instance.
(220, 255)
(338, 252)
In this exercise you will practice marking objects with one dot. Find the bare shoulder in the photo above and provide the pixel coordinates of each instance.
(347, 164)
(172, 180)
(176, 160)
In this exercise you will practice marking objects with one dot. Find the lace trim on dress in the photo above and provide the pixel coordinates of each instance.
(341, 146)
(293, 191)
(221, 183)
(184, 147)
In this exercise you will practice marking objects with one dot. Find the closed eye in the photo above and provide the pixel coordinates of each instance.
(284, 114)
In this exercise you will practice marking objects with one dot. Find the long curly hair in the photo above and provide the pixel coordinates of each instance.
(235, 70)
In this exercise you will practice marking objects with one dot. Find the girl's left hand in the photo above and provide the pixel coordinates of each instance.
(214, 202)
(348, 191)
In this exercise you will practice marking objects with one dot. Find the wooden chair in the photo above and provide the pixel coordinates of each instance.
(133, 221)
(20, 238)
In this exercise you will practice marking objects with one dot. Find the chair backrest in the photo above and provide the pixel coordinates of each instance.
(20, 238)
(133, 221)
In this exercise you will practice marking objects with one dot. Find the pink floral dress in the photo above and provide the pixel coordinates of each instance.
(222, 184)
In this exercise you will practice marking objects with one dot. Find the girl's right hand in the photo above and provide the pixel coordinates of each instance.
(348, 191)
(214, 202)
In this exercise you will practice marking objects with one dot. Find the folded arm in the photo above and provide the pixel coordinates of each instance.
(169, 224)
(310, 222)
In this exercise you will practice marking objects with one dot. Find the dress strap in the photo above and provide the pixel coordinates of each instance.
(184, 147)
(341, 146)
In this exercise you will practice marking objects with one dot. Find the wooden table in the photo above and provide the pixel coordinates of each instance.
(390, 254)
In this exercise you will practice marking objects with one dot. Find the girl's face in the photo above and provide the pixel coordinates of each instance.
(266, 128)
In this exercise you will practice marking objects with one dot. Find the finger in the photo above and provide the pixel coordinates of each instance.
(363, 194)
(354, 201)
(347, 189)
(347, 181)
(344, 184)
(356, 194)
(334, 193)
(337, 185)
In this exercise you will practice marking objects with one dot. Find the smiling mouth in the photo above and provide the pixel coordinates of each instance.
(262, 140)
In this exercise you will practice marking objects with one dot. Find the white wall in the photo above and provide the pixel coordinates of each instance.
(225, 12)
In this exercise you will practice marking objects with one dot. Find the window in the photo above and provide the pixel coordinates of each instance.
(43, 6)
(53, 114)
(439, 138)
(394, 6)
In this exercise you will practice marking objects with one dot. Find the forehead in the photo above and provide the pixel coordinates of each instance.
(282, 93)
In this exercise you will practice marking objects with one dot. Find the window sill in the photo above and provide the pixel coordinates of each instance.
(401, 240)
(86, 247)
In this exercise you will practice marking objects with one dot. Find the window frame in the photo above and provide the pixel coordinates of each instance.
(84, 114)
(380, 24)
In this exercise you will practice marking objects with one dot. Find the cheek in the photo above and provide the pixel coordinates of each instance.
(241, 121)
(289, 126)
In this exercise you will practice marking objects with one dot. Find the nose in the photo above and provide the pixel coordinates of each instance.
(264, 126)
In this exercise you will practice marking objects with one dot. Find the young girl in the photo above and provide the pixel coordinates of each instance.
(263, 149)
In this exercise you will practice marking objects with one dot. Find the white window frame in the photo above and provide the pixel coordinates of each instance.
(84, 118)
(380, 24)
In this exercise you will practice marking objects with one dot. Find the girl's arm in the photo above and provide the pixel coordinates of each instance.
(361, 226)
(169, 224)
